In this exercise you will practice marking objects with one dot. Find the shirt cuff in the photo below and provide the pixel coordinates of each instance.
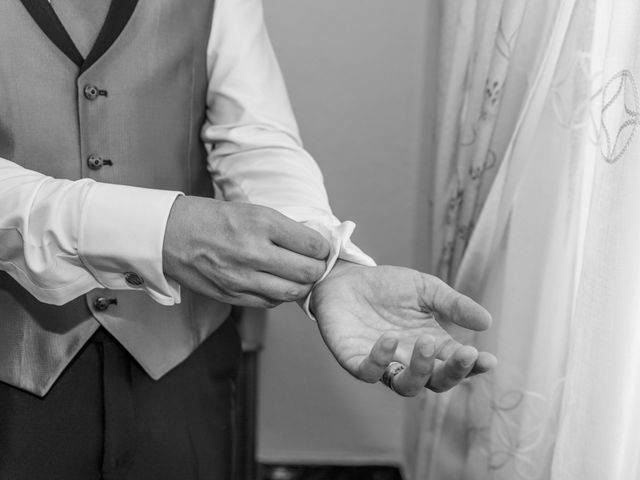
(121, 238)
(341, 247)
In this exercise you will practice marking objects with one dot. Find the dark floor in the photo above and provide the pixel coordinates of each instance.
(281, 472)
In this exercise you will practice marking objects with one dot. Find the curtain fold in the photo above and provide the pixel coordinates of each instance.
(535, 212)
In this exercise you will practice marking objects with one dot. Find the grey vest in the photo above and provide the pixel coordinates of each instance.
(141, 104)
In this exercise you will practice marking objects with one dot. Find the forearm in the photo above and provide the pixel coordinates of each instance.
(60, 239)
(257, 155)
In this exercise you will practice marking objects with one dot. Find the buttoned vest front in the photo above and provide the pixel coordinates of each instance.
(141, 104)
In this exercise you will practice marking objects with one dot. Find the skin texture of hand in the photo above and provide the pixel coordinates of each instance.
(371, 316)
(241, 254)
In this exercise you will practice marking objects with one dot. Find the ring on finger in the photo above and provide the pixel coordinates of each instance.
(390, 373)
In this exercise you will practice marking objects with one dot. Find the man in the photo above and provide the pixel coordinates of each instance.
(111, 113)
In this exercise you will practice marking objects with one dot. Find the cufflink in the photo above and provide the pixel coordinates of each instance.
(133, 279)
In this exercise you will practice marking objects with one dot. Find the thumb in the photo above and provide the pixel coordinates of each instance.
(438, 297)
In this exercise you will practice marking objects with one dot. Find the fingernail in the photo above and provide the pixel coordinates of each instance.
(389, 343)
(467, 362)
(428, 349)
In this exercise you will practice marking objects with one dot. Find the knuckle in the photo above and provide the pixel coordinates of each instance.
(318, 269)
(379, 363)
(256, 302)
(313, 271)
(259, 218)
(269, 303)
(267, 220)
(294, 293)
(303, 291)
(265, 213)
(234, 285)
(272, 220)
(252, 254)
(317, 245)
(233, 296)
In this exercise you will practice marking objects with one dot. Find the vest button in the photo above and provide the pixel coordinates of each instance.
(95, 162)
(102, 303)
(91, 92)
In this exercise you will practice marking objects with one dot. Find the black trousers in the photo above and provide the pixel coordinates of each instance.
(106, 419)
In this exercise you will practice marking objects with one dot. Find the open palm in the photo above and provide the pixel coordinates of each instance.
(371, 316)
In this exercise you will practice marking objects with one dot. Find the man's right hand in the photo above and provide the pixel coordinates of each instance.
(241, 254)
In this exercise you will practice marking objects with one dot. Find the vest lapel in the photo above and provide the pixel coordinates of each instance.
(43, 14)
(120, 12)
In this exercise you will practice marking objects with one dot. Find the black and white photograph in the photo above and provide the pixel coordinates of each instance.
(319, 240)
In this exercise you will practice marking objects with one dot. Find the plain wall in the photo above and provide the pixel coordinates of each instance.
(357, 72)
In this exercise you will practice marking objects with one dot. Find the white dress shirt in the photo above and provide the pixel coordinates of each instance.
(53, 245)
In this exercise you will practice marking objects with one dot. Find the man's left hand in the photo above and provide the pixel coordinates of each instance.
(370, 317)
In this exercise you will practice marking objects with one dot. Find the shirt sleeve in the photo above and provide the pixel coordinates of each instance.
(59, 239)
(256, 153)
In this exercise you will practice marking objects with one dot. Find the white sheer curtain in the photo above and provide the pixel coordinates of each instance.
(535, 212)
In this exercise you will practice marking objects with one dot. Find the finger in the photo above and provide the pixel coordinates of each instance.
(292, 266)
(485, 363)
(254, 301)
(448, 374)
(298, 238)
(274, 288)
(447, 348)
(373, 365)
(412, 380)
(202, 285)
(440, 298)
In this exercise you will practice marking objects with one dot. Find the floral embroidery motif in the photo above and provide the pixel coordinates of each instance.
(492, 91)
(496, 417)
(464, 232)
(444, 261)
(572, 104)
(477, 172)
(620, 107)
(505, 41)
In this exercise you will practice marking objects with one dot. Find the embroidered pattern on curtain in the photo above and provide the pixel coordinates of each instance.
(534, 213)
(468, 147)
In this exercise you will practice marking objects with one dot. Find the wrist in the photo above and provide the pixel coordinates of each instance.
(342, 267)
(172, 236)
